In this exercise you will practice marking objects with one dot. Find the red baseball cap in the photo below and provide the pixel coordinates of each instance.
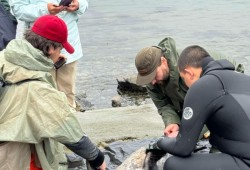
(53, 28)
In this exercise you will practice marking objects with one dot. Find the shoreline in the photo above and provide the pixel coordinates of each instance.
(121, 123)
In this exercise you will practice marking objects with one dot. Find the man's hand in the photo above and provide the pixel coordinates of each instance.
(171, 130)
(73, 6)
(54, 9)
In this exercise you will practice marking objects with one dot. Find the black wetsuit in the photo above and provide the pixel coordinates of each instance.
(221, 100)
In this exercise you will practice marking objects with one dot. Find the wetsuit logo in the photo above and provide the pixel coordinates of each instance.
(187, 113)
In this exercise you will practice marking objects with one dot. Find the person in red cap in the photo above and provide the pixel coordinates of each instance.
(29, 10)
(55, 29)
(36, 120)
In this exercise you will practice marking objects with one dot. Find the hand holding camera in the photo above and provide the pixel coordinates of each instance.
(65, 2)
(64, 5)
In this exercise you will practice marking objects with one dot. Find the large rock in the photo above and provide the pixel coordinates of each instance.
(135, 161)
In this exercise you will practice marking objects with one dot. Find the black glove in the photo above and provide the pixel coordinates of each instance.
(152, 147)
(153, 154)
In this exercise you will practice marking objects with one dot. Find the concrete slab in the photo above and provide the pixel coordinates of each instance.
(112, 124)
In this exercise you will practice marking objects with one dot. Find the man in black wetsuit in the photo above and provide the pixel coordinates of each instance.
(218, 97)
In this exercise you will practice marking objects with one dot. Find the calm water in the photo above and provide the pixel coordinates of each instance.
(113, 31)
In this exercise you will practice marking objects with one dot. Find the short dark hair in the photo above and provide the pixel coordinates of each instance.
(192, 56)
(40, 42)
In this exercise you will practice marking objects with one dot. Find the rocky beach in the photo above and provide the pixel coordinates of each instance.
(112, 32)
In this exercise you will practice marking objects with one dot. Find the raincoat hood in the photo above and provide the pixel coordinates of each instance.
(24, 62)
(171, 54)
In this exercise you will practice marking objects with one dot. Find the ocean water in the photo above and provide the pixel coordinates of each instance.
(113, 31)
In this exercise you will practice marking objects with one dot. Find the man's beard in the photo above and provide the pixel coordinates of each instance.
(165, 81)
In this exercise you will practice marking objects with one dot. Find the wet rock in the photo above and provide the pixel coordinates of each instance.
(129, 86)
(116, 101)
(135, 161)
(154, 159)
(79, 107)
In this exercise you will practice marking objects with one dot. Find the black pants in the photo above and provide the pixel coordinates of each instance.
(215, 161)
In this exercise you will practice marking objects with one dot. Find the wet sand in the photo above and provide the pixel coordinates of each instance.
(124, 123)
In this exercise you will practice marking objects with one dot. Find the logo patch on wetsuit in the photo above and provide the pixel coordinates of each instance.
(187, 113)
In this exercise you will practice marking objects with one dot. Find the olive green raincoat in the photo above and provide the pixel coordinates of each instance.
(33, 114)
